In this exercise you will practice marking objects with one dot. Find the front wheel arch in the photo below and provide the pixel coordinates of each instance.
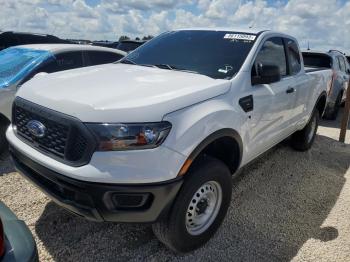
(224, 144)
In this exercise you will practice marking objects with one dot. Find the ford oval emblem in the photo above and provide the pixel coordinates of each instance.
(36, 128)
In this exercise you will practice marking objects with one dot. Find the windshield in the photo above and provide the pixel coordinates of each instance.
(16, 63)
(217, 54)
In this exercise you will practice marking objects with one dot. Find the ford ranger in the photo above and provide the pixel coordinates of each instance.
(156, 136)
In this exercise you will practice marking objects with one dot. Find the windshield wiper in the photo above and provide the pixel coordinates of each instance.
(148, 65)
(127, 61)
(171, 67)
(162, 66)
(189, 71)
(165, 66)
(130, 62)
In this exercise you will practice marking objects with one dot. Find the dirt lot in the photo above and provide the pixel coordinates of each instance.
(286, 206)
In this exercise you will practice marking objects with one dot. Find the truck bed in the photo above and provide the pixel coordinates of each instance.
(321, 76)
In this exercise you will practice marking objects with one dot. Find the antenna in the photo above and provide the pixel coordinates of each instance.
(308, 45)
(253, 22)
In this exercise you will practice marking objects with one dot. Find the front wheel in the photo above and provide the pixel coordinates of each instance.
(199, 209)
(302, 140)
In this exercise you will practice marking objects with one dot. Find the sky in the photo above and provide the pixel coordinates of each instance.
(324, 24)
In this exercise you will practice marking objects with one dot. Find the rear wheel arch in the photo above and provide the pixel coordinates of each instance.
(224, 144)
(321, 103)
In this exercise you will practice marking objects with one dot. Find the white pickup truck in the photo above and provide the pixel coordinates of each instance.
(156, 137)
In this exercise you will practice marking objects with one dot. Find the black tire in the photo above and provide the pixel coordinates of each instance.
(332, 113)
(172, 231)
(302, 140)
(3, 140)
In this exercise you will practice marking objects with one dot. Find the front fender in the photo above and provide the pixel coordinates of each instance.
(193, 125)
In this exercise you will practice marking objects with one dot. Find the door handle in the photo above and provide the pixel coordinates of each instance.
(290, 90)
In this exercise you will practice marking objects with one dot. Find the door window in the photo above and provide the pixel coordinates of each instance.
(293, 57)
(64, 61)
(272, 53)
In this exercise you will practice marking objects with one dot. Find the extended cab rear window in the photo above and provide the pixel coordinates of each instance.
(317, 60)
(217, 54)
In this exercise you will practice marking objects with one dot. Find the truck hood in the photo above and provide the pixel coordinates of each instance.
(120, 92)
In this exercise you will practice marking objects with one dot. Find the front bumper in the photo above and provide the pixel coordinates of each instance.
(111, 167)
(99, 201)
(19, 242)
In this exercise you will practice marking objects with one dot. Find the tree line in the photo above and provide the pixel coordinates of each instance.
(125, 37)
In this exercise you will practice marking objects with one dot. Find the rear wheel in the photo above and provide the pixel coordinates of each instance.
(332, 113)
(302, 140)
(199, 209)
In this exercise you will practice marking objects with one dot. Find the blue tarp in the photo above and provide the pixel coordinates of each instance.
(16, 63)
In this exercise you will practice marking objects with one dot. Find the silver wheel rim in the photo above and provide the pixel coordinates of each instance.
(312, 129)
(203, 208)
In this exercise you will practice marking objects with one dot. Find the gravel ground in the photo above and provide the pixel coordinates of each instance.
(286, 206)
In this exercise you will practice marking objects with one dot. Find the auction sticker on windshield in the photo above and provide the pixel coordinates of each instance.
(240, 37)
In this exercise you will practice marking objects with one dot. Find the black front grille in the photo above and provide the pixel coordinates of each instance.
(56, 136)
(66, 138)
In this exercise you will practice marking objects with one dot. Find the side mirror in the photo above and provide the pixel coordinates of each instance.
(267, 74)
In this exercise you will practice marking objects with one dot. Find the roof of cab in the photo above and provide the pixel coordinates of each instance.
(57, 48)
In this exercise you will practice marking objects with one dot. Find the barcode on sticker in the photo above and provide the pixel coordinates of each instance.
(240, 37)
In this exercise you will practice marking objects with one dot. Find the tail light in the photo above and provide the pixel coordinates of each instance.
(2, 240)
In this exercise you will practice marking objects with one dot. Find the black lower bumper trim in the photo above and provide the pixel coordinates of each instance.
(97, 201)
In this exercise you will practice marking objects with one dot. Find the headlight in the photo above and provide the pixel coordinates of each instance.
(113, 137)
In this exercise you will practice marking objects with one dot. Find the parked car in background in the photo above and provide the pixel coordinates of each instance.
(108, 44)
(9, 38)
(130, 45)
(16, 241)
(159, 135)
(19, 64)
(337, 62)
